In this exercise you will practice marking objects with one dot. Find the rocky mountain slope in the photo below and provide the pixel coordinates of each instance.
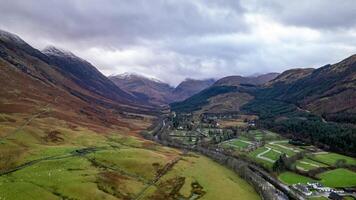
(189, 87)
(86, 75)
(156, 91)
(252, 80)
(227, 94)
(329, 91)
(147, 89)
(71, 87)
(313, 105)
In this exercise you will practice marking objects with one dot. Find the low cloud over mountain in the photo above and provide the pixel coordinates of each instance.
(173, 40)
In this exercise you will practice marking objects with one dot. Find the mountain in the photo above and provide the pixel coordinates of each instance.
(66, 132)
(328, 91)
(290, 76)
(227, 94)
(189, 87)
(86, 75)
(238, 80)
(157, 92)
(71, 87)
(316, 106)
(148, 89)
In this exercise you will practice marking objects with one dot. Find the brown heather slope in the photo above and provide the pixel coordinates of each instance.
(238, 80)
(157, 92)
(227, 94)
(151, 90)
(290, 76)
(189, 87)
(329, 91)
(31, 81)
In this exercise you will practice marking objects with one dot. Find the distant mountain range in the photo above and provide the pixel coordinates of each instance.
(314, 105)
(329, 91)
(317, 105)
(225, 95)
(253, 80)
(147, 89)
(156, 91)
(74, 88)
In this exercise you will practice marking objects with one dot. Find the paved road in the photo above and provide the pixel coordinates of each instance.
(284, 147)
(260, 155)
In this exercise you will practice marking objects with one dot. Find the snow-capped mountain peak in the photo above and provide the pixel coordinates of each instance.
(130, 75)
(11, 37)
(55, 51)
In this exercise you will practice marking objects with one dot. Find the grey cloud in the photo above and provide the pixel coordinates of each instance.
(175, 39)
(116, 23)
(318, 14)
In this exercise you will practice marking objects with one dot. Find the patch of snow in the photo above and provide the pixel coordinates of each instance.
(54, 51)
(11, 37)
(129, 75)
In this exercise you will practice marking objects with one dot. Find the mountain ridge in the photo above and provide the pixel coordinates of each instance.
(157, 91)
(32, 79)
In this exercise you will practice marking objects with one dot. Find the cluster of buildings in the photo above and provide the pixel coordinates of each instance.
(317, 189)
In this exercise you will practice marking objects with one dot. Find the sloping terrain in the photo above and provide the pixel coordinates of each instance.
(86, 75)
(147, 89)
(189, 87)
(307, 106)
(252, 80)
(63, 135)
(157, 92)
(329, 91)
(299, 103)
(31, 80)
(225, 95)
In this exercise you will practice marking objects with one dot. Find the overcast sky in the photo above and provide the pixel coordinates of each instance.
(175, 39)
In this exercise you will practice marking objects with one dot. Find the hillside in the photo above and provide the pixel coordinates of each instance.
(189, 87)
(66, 132)
(227, 94)
(299, 103)
(157, 92)
(147, 89)
(328, 91)
(252, 80)
(72, 86)
(86, 75)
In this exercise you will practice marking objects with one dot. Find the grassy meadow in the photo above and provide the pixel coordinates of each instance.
(52, 159)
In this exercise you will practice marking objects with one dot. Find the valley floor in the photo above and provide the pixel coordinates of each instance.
(50, 159)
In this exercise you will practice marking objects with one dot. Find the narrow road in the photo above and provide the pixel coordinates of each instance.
(78, 152)
(227, 142)
(282, 146)
(260, 155)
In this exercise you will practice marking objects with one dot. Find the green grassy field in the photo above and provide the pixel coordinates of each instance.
(64, 162)
(238, 143)
(253, 156)
(308, 164)
(256, 134)
(338, 178)
(318, 198)
(290, 178)
(272, 155)
(284, 147)
(331, 158)
(225, 184)
(334, 178)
